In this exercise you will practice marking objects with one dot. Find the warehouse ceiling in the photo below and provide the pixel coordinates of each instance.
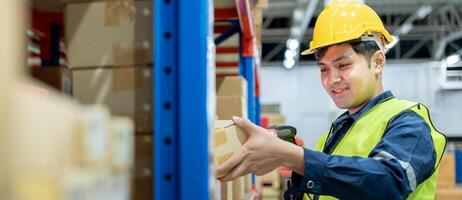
(427, 29)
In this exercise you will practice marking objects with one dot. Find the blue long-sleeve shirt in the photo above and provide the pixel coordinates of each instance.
(403, 159)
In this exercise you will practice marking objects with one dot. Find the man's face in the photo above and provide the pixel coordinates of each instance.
(347, 77)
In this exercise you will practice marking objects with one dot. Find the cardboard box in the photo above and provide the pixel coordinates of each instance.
(257, 17)
(38, 147)
(247, 183)
(144, 157)
(121, 144)
(222, 191)
(449, 194)
(58, 149)
(144, 150)
(231, 86)
(271, 179)
(125, 91)
(91, 140)
(142, 188)
(257, 23)
(143, 176)
(261, 4)
(230, 106)
(45, 124)
(41, 132)
(226, 140)
(447, 172)
(57, 77)
(258, 32)
(226, 191)
(270, 193)
(120, 186)
(238, 188)
(109, 33)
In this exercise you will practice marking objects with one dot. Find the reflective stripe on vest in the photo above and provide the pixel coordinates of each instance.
(367, 131)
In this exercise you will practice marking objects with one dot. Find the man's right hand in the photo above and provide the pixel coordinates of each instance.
(260, 154)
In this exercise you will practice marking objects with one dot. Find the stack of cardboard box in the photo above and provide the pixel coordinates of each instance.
(446, 182)
(258, 18)
(51, 147)
(231, 97)
(231, 101)
(61, 150)
(272, 187)
(228, 138)
(110, 53)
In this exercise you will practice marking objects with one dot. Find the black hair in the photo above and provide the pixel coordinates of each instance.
(365, 48)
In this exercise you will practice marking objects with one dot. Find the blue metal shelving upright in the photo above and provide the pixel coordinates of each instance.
(181, 158)
(247, 70)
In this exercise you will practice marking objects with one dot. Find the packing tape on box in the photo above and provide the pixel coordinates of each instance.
(139, 81)
(131, 78)
(126, 13)
(123, 79)
(220, 137)
(119, 13)
(127, 54)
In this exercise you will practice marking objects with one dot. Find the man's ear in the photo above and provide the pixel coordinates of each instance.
(378, 61)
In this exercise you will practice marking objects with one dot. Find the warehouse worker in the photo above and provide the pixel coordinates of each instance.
(380, 148)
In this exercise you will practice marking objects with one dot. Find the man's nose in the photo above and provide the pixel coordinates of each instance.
(335, 76)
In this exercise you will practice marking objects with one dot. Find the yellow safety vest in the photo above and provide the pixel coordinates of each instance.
(367, 131)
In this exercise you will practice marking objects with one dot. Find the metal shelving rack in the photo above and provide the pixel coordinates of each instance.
(181, 134)
(181, 119)
(240, 21)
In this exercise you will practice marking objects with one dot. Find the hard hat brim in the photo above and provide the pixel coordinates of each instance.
(307, 52)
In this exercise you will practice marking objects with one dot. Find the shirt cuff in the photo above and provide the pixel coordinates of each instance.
(315, 166)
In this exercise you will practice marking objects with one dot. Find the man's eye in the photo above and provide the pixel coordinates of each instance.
(323, 69)
(344, 65)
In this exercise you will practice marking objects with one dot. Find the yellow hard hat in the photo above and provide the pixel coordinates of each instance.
(345, 20)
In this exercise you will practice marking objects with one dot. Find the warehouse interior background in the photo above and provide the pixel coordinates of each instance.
(123, 99)
(429, 32)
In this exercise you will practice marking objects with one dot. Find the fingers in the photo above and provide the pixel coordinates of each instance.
(229, 164)
(245, 124)
(299, 141)
(238, 171)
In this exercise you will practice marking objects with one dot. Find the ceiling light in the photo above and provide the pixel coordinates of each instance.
(424, 11)
(295, 31)
(404, 29)
(298, 14)
(453, 59)
(292, 44)
(289, 63)
(289, 54)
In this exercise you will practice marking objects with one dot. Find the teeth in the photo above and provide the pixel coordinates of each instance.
(339, 90)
